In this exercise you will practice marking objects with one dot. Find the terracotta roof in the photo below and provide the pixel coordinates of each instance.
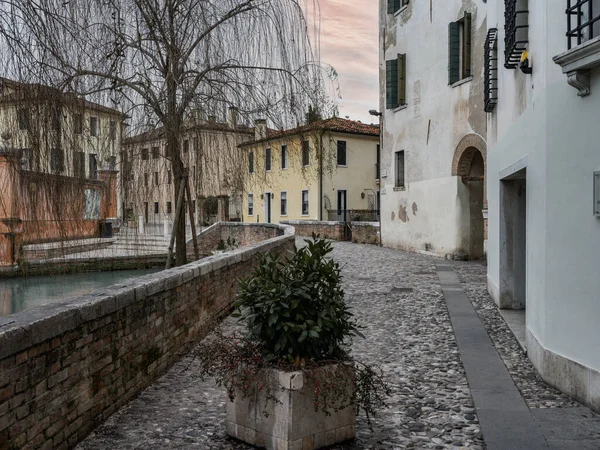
(334, 124)
(159, 133)
(43, 92)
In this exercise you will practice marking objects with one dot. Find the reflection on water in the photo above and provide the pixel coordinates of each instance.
(18, 294)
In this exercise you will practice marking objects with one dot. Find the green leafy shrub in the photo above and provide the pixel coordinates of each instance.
(295, 309)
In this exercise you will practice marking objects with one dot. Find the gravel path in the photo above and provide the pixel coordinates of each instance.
(535, 392)
(408, 334)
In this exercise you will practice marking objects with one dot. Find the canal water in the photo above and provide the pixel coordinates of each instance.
(19, 294)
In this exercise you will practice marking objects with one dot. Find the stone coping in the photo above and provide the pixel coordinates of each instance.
(311, 222)
(25, 329)
(67, 243)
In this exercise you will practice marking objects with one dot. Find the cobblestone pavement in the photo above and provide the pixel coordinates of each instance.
(397, 297)
(535, 392)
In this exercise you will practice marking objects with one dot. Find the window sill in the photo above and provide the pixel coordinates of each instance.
(577, 62)
(401, 107)
(342, 165)
(463, 81)
(305, 215)
(399, 188)
(401, 10)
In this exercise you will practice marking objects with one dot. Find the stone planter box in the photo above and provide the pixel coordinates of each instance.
(291, 422)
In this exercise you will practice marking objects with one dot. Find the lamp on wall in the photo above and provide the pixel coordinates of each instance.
(362, 195)
(525, 65)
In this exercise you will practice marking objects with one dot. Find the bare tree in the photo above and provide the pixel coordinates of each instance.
(162, 58)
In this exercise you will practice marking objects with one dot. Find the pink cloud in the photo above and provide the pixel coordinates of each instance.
(349, 42)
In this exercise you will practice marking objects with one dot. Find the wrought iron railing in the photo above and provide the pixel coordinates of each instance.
(581, 21)
(353, 215)
(516, 25)
(490, 74)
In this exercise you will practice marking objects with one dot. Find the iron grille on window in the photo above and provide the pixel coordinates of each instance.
(582, 16)
(516, 18)
(490, 75)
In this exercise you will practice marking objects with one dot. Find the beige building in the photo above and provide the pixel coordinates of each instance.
(319, 171)
(210, 152)
(58, 174)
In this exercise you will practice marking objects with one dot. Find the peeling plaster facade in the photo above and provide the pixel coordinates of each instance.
(437, 129)
(544, 241)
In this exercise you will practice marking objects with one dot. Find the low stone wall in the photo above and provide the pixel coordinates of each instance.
(55, 249)
(327, 230)
(243, 234)
(366, 233)
(66, 367)
(362, 232)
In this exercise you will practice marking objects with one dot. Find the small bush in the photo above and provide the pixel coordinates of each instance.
(295, 309)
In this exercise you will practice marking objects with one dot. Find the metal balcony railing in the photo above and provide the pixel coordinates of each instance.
(490, 74)
(516, 24)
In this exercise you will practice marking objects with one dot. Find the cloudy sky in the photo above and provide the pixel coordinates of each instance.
(349, 36)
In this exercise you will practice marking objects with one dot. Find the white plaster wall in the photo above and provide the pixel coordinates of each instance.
(540, 117)
(429, 129)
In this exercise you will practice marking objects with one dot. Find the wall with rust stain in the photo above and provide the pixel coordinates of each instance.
(436, 118)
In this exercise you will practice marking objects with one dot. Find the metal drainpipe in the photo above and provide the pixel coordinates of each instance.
(380, 177)
(321, 176)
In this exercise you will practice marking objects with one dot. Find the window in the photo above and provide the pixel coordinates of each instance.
(79, 164)
(78, 123)
(93, 166)
(342, 157)
(490, 71)
(284, 203)
(168, 177)
(582, 18)
(56, 117)
(146, 180)
(400, 169)
(155, 207)
(395, 82)
(395, 5)
(169, 208)
(284, 157)
(250, 204)
(193, 173)
(144, 154)
(23, 118)
(155, 178)
(155, 153)
(57, 160)
(305, 203)
(305, 153)
(459, 49)
(112, 162)
(113, 130)
(251, 162)
(516, 31)
(186, 146)
(93, 126)
(268, 159)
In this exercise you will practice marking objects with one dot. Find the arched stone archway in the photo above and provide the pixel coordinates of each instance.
(469, 163)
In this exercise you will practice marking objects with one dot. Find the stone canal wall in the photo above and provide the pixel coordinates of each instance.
(65, 368)
(237, 232)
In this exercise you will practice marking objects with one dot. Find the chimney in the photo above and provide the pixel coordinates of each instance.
(232, 117)
(260, 129)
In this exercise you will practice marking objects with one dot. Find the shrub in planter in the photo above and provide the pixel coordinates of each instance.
(290, 380)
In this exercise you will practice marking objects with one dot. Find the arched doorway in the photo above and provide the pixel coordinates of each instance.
(469, 164)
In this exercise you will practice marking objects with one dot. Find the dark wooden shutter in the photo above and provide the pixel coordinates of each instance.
(453, 52)
(401, 80)
(391, 83)
(395, 5)
(391, 6)
(467, 46)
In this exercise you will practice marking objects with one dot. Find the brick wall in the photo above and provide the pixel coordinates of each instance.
(65, 368)
(362, 232)
(243, 233)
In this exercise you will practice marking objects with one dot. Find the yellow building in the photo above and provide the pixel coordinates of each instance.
(321, 171)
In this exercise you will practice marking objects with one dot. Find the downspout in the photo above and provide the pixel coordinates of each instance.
(380, 177)
(321, 176)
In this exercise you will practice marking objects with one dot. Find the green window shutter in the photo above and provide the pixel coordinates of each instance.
(391, 83)
(453, 52)
(467, 46)
(401, 80)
